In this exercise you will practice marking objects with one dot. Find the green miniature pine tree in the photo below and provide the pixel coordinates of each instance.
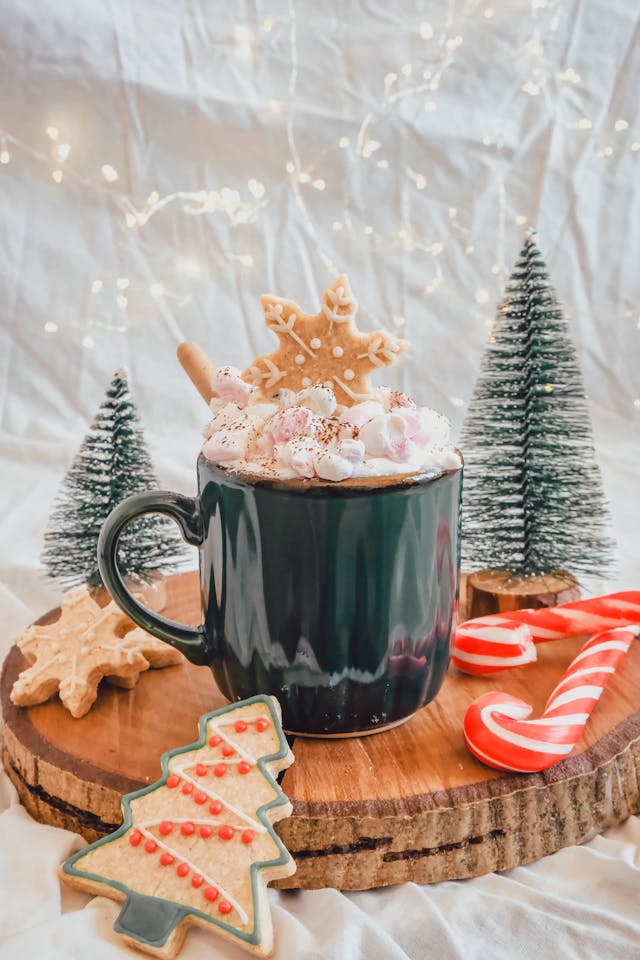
(533, 501)
(112, 463)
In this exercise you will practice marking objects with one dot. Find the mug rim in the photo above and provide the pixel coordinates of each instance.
(316, 487)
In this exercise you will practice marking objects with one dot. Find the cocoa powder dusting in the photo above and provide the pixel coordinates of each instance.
(329, 432)
(399, 399)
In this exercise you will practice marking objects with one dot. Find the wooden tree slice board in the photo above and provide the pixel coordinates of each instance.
(407, 804)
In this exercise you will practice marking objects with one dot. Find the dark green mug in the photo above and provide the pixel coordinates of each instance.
(339, 598)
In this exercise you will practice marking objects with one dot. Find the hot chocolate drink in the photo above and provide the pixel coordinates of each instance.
(338, 537)
(328, 524)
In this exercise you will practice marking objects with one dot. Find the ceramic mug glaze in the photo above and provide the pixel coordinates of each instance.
(339, 598)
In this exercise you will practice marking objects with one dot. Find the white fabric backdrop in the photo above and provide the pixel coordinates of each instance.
(161, 165)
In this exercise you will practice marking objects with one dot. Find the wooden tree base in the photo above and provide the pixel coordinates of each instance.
(498, 591)
(408, 804)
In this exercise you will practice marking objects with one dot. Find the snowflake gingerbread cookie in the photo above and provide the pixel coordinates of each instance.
(198, 846)
(322, 348)
(87, 642)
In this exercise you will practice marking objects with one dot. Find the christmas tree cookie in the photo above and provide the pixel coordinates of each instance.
(198, 846)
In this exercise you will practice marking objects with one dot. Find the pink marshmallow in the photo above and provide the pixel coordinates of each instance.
(303, 462)
(361, 413)
(230, 386)
(299, 454)
(289, 423)
(415, 426)
(351, 450)
(399, 449)
(387, 436)
(397, 399)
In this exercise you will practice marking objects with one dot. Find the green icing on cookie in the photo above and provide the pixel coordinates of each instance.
(151, 920)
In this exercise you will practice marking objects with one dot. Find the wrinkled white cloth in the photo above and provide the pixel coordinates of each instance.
(161, 166)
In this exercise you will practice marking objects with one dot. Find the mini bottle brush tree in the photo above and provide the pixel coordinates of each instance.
(112, 463)
(533, 501)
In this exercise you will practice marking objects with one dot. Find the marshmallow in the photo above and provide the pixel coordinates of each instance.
(286, 398)
(399, 399)
(289, 423)
(415, 426)
(261, 411)
(331, 466)
(387, 436)
(361, 413)
(307, 435)
(299, 454)
(230, 386)
(227, 416)
(225, 446)
(351, 450)
(319, 399)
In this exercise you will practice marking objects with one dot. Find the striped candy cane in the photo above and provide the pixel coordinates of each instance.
(498, 642)
(499, 734)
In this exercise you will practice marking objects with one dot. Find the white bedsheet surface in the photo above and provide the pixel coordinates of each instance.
(268, 146)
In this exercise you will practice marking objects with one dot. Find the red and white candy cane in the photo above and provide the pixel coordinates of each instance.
(500, 641)
(499, 734)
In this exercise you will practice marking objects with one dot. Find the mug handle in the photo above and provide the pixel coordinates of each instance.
(191, 641)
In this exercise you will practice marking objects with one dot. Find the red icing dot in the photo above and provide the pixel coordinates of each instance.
(215, 741)
(134, 838)
(240, 726)
(201, 770)
(227, 750)
(166, 858)
(215, 807)
(197, 880)
(187, 787)
(247, 836)
(244, 767)
(182, 869)
(211, 893)
(261, 724)
(150, 846)
(220, 769)
(173, 780)
(165, 827)
(200, 797)
(187, 828)
(226, 832)
(224, 906)
(206, 830)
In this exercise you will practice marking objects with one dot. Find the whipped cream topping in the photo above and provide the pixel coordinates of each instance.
(308, 435)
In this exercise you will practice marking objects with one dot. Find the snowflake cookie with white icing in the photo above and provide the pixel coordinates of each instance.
(324, 348)
(84, 645)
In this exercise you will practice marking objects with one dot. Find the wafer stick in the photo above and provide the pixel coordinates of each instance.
(198, 368)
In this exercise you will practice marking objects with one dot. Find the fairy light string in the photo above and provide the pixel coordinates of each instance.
(434, 46)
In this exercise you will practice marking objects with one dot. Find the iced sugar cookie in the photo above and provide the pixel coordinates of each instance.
(198, 846)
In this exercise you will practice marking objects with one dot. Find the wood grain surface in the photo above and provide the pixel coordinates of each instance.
(408, 804)
(498, 591)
